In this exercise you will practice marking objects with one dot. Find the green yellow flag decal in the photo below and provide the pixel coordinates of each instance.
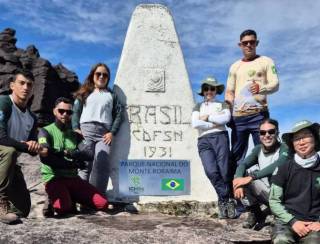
(172, 184)
(42, 140)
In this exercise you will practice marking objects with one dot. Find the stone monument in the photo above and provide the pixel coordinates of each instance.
(152, 82)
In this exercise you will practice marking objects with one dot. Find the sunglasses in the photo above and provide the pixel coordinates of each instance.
(270, 132)
(251, 42)
(209, 88)
(67, 111)
(104, 75)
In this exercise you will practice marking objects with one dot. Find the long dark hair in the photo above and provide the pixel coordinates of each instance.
(88, 84)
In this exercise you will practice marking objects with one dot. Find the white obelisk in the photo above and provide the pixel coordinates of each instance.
(152, 82)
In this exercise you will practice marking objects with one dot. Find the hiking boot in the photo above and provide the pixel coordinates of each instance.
(5, 215)
(222, 210)
(130, 208)
(256, 218)
(231, 209)
(250, 222)
(261, 220)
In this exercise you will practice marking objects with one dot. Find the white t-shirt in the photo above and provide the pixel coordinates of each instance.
(98, 108)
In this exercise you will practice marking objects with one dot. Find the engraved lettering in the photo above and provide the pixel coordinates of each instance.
(150, 112)
(166, 118)
(134, 114)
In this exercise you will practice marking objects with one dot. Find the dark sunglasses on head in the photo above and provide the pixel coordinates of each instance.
(67, 111)
(270, 132)
(252, 42)
(104, 75)
(209, 88)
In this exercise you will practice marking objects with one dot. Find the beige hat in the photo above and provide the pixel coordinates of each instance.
(314, 127)
(211, 81)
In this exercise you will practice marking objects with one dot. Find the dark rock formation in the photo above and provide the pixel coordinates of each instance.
(51, 81)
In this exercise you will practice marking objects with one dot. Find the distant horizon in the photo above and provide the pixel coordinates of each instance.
(79, 34)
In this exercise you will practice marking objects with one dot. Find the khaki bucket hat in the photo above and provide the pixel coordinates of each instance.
(211, 81)
(314, 127)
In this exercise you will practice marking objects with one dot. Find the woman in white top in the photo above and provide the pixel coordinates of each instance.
(210, 117)
(97, 116)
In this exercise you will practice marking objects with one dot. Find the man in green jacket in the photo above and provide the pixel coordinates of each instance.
(251, 180)
(295, 190)
(61, 158)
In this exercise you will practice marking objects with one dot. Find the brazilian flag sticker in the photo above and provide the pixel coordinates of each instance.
(172, 184)
(42, 140)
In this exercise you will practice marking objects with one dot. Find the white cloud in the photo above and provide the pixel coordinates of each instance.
(209, 31)
(87, 21)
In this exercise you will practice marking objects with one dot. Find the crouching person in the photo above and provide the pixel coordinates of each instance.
(61, 160)
(251, 181)
(17, 134)
(295, 190)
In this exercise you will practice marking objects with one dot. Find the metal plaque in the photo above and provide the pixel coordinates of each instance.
(154, 177)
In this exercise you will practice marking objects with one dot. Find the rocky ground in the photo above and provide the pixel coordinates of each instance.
(129, 228)
(121, 227)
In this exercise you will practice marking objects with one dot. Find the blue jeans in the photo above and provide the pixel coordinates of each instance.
(242, 127)
(214, 153)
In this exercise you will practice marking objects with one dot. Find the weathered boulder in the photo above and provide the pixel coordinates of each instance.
(8, 40)
(51, 81)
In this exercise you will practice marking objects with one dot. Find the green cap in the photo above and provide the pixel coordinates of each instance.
(211, 81)
(314, 127)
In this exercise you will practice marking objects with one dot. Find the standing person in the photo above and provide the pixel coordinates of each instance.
(17, 134)
(252, 177)
(295, 190)
(250, 79)
(97, 116)
(60, 159)
(210, 117)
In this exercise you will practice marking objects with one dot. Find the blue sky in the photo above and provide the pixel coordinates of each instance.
(81, 33)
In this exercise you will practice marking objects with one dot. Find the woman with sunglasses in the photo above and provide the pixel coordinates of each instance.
(210, 117)
(97, 116)
(251, 181)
